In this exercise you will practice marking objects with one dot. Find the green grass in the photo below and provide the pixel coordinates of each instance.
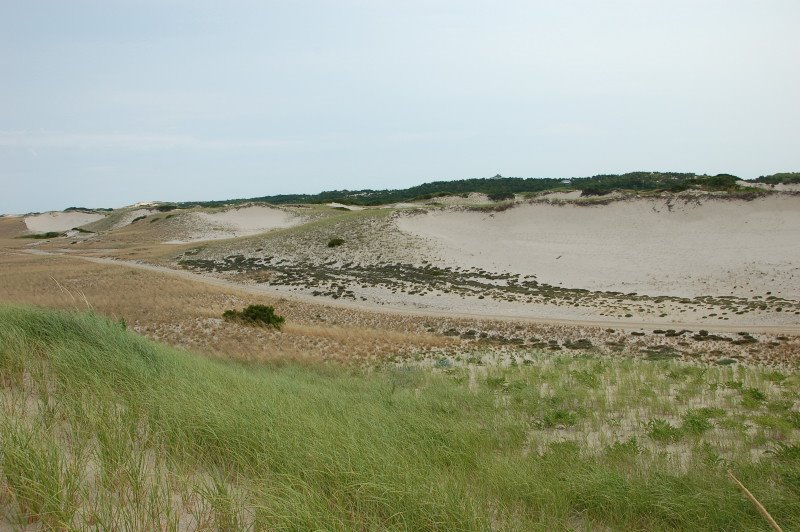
(102, 428)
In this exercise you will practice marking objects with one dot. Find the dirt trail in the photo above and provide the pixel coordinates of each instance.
(792, 330)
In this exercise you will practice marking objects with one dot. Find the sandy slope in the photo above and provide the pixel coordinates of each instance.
(59, 221)
(233, 223)
(648, 246)
(130, 216)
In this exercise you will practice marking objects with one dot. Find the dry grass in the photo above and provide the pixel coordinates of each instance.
(185, 313)
(10, 228)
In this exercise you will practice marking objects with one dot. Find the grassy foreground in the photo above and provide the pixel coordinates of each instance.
(100, 428)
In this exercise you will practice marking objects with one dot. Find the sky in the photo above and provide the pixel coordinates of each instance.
(109, 102)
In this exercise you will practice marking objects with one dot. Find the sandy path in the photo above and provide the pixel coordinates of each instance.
(793, 330)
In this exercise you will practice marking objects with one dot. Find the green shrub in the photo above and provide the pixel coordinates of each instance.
(501, 196)
(785, 178)
(661, 430)
(255, 315)
(334, 242)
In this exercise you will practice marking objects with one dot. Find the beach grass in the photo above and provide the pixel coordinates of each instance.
(101, 428)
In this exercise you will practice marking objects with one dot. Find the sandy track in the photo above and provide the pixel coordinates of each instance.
(280, 293)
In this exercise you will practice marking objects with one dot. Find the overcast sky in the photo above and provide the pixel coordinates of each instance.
(106, 102)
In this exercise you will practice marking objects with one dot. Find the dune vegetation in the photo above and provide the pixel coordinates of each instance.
(101, 428)
(499, 188)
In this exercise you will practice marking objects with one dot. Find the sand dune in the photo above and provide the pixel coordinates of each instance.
(59, 221)
(234, 223)
(670, 247)
(130, 216)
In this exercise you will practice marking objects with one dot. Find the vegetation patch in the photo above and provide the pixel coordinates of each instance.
(502, 187)
(43, 236)
(103, 429)
(255, 315)
(781, 178)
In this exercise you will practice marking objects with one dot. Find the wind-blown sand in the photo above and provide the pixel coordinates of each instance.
(234, 223)
(655, 247)
(59, 221)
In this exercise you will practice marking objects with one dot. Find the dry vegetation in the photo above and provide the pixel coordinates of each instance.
(188, 313)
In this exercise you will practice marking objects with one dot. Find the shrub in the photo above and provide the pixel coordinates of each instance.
(592, 191)
(501, 196)
(255, 315)
(780, 178)
(137, 219)
(333, 242)
(661, 430)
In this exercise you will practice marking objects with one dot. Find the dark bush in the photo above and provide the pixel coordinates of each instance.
(501, 196)
(785, 178)
(594, 192)
(42, 236)
(255, 315)
(333, 242)
(137, 219)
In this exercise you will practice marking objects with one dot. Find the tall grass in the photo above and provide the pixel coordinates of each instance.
(100, 427)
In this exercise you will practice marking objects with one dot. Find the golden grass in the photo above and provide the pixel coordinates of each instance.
(10, 228)
(187, 313)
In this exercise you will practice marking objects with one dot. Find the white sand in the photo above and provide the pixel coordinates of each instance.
(402, 206)
(651, 247)
(234, 223)
(59, 221)
(348, 207)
